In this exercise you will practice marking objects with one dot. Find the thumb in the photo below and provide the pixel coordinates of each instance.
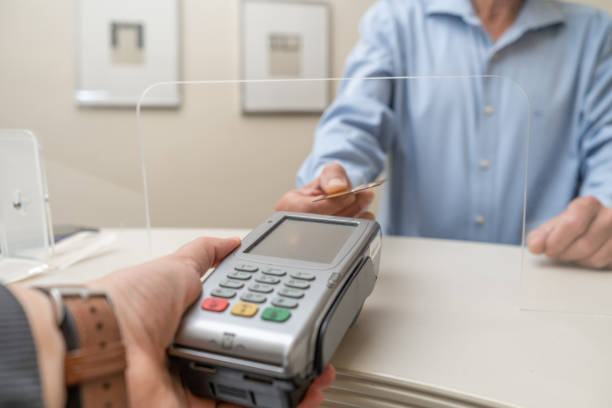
(202, 254)
(334, 179)
(205, 253)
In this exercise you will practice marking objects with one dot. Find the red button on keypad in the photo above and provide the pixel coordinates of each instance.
(215, 304)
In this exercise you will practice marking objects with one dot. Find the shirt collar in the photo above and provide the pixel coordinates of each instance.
(539, 14)
(534, 14)
(460, 8)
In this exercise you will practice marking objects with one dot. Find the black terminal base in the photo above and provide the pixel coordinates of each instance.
(238, 387)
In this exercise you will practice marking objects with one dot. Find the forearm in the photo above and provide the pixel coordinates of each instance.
(356, 147)
(49, 343)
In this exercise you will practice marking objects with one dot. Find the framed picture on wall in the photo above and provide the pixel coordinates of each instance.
(284, 40)
(122, 48)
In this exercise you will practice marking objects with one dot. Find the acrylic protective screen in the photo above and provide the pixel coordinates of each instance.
(304, 240)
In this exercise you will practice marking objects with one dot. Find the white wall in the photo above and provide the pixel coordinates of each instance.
(92, 154)
(603, 4)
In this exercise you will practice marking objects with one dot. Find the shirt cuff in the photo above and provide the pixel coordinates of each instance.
(19, 377)
(355, 177)
(605, 198)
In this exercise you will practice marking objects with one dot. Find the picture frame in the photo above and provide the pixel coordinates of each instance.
(123, 47)
(285, 40)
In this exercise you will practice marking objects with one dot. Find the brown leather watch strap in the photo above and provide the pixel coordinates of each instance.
(99, 362)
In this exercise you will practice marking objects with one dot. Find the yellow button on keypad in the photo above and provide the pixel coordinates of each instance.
(245, 309)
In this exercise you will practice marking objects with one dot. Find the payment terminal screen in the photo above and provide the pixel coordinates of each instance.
(304, 240)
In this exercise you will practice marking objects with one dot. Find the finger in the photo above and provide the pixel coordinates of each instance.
(362, 201)
(585, 247)
(333, 179)
(314, 395)
(312, 399)
(536, 240)
(333, 206)
(301, 201)
(368, 215)
(573, 222)
(602, 258)
(327, 378)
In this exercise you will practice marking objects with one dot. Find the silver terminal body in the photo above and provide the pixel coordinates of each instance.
(309, 290)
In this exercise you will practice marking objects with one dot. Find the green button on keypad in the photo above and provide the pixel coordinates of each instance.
(276, 314)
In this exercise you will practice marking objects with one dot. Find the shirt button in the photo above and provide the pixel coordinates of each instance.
(479, 220)
(485, 164)
(488, 110)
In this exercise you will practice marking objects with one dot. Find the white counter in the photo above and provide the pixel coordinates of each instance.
(446, 314)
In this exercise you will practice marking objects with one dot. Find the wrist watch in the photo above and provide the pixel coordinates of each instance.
(95, 356)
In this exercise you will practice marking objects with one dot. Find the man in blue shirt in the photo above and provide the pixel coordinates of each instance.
(455, 147)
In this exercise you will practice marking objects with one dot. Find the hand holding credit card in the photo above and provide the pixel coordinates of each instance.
(355, 190)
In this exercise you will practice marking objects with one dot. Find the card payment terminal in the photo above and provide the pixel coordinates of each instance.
(272, 314)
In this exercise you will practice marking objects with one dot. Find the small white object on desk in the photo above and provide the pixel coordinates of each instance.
(81, 246)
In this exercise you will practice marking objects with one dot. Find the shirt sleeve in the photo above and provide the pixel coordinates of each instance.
(19, 377)
(596, 123)
(357, 129)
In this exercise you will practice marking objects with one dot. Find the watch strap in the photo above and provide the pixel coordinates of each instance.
(68, 328)
(99, 362)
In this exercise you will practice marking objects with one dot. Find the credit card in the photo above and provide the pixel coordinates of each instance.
(357, 189)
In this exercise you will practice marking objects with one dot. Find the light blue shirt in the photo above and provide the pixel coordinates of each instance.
(454, 149)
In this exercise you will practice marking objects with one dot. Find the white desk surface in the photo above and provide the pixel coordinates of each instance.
(444, 313)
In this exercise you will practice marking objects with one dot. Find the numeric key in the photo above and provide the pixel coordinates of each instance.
(270, 280)
(284, 302)
(261, 288)
(239, 275)
(297, 284)
(246, 268)
(253, 297)
(303, 275)
(223, 293)
(231, 284)
(292, 293)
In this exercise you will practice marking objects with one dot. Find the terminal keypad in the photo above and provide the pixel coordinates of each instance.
(267, 280)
